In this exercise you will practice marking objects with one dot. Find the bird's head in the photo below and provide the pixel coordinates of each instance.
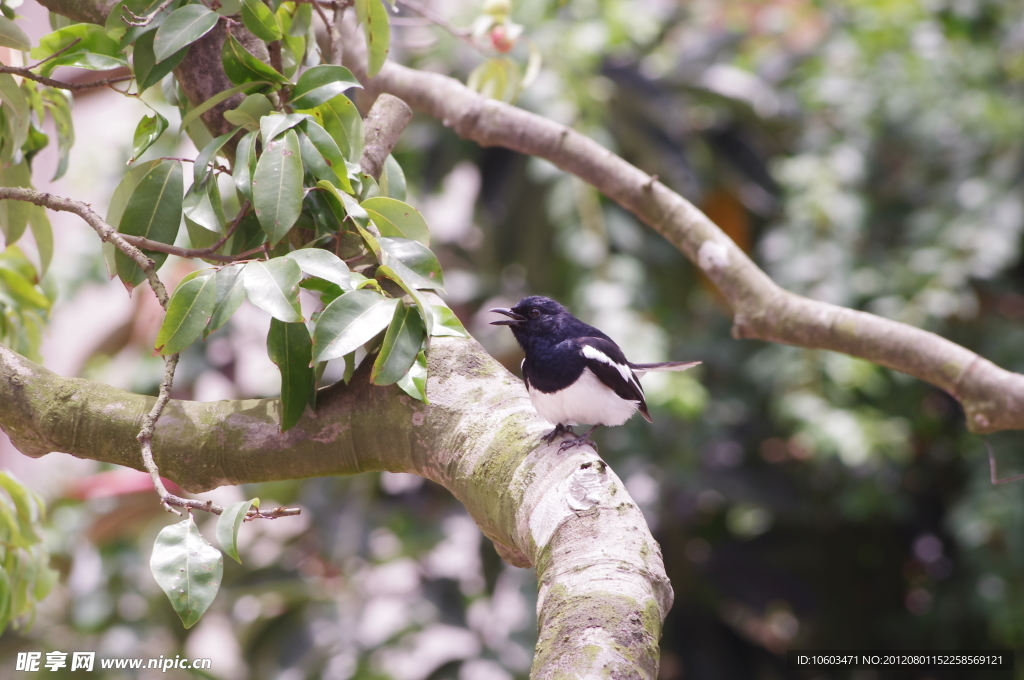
(534, 316)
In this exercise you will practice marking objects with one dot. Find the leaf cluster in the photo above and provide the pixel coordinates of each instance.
(25, 574)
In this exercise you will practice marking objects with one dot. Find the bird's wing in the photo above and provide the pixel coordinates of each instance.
(605, 360)
(640, 369)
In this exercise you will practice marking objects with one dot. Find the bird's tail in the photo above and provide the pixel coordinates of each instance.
(640, 369)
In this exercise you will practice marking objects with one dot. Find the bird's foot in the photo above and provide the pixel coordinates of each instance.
(580, 440)
(559, 429)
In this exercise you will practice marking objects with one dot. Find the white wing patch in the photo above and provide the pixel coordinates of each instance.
(597, 355)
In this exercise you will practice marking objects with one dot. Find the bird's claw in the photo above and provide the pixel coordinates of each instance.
(576, 441)
(553, 435)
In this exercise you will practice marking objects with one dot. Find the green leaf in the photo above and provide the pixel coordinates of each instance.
(320, 84)
(273, 286)
(190, 308)
(187, 568)
(414, 383)
(42, 232)
(182, 28)
(59, 103)
(147, 131)
(322, 264)
(395, 218)
(203, 207)
(327, 149)
(249, 112)
(230, 293)
(153, 212)
(14, 215)
(446, 323)
(228, 524)
(262, 22)
(27, 508)
(147, 71)
(392, 180)
(421, 302)
(11, 35)
(277, 186)
(95, 50)
(22, 290)
(245, 164)
(274, 124)
(413, 261)
(217, 99)
(374, 19)
(208, 155)
(125, 189)
(290, 347)
(341, 119)
(401, 345)
(16, 107)
(350, 321)
(242, 67)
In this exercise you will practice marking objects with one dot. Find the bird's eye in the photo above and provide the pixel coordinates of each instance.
(534, 313)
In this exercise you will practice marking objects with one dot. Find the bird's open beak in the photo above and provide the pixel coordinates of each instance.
(512, 320)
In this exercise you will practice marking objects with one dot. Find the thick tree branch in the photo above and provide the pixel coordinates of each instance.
(383, 125)
(602, 582)
(992, 397)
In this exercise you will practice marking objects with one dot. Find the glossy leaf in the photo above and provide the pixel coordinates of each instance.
(392, 180)
(12, 36)
(22, 290)
(446, 323)
(208, 155)
(414, 382)
(401, 345)
(273, 125)
(95, 50)
(241, 66)
(260, 20)
(349, 322)
(202, 207)
(273, 286)
(322, 264)
(395, 218)
(341, 119)
(187, 568)
(59, 104)
(228, 524)
(422, 306)
(144, 64)
(42, 232)
(147, 132)
(277, 186)
(14, 215)
(320, 84)
(194, 114)
(291, 349)
(230, 294)
(245, 165)
(329, 151)
(125, 189)
(249, 112)
(15, 107)
(154, 212)
(183, 27)
(190, 309)
(413, 261)
(374, 19)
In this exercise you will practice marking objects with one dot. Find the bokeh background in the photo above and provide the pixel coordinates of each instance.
(868, 153)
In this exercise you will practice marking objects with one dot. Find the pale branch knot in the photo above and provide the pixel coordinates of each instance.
(384, 123)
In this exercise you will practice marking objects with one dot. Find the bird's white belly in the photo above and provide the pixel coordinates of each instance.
(588, 400)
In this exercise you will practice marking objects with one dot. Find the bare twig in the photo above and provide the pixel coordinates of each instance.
(59, 84)
(208, 253)
(143, 20)
(434, 18)
(992, 468)
(57, 53)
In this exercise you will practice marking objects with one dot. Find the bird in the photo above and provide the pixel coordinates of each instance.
(573, 372)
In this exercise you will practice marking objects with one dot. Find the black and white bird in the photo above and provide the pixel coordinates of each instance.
(574, 372)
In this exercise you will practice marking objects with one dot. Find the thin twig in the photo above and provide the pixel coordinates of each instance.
(141, 20)
(57, 53)
(208, 253)
(59, 84)
(992, 468)
(213, 508)
(434, 18)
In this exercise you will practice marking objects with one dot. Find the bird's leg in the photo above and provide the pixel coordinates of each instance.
(559, 429)
(579, 440)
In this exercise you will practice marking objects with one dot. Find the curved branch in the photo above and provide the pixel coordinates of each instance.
(992, 397)
(60, 84)
(602, 581)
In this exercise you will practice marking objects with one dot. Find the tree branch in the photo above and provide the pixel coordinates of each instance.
(602, 580)
(60, 84)
(992, 397)
(383, 125)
